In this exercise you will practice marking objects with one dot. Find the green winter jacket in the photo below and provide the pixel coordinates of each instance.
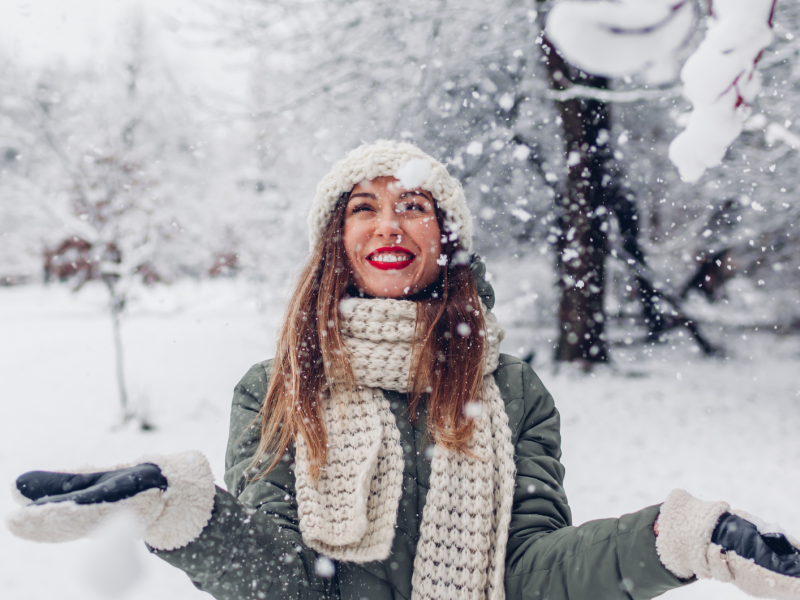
(252, 547)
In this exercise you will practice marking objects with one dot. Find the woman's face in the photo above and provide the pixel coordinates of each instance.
(392, 238)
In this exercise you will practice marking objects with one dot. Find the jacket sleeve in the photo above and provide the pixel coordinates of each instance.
(252, 547)
(547, 557)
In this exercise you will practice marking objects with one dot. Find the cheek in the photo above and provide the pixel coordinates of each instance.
(431, 238)
(353, 238)
(428, 238)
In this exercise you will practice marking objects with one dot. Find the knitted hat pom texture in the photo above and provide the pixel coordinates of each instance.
(413, 167)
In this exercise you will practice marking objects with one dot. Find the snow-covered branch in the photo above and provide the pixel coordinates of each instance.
(618, 38)
(720, 79)
(624, 96)
(626, 37)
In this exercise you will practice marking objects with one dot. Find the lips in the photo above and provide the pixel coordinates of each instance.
(391, 258)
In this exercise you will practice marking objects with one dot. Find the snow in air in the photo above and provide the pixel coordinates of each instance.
(414, 173)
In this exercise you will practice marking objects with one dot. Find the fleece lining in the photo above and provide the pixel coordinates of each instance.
(685, 526)
(188, 501)
(169, 519)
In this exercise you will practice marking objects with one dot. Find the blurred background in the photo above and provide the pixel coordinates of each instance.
(158, 158)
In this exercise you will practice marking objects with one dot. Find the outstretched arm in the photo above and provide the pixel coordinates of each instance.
(252, 547)
(547, 557)
(244, 553)
(622, 558)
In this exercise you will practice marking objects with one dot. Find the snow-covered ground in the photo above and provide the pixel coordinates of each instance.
(656, 420)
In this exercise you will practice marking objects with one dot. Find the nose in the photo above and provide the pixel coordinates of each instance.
(388, 225)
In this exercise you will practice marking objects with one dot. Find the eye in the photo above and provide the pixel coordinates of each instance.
(410, 206)
(360, 207)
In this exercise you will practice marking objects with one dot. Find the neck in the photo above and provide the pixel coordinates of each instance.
(433, 291)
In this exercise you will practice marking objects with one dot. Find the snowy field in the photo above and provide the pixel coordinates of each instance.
(656, 420)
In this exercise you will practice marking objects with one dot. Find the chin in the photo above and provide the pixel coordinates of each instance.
(396, 293)
(394, 290)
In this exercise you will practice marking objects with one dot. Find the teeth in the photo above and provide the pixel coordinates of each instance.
(390, 258)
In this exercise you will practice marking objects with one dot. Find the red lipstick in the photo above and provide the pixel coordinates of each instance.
(391, 266)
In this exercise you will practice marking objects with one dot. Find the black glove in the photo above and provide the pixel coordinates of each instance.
(709, 540)
(89, 488)
(769, 550)
(171, 497)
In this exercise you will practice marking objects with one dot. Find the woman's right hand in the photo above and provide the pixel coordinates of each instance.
(43, 487)
(171, 498)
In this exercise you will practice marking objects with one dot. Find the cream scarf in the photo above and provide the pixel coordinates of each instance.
(350, 512)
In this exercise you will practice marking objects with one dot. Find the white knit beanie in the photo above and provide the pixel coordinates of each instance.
(407, 163)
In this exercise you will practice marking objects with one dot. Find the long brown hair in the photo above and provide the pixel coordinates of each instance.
(311, 359)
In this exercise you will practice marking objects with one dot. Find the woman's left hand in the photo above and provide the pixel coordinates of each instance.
(772, 551)
(709, 540)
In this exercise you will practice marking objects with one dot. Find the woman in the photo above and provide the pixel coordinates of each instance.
(390, 451)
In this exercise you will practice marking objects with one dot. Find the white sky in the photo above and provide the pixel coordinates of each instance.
(36, 33)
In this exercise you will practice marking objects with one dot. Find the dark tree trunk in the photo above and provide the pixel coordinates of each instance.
(657, 317)
(592, 191)
(582, 246)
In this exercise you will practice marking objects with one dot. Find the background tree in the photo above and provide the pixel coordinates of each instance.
(108, 159)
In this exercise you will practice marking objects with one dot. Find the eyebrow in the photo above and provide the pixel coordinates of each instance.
(417, 193)
(374, 197)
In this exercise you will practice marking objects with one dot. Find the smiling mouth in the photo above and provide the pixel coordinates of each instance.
(387, 259)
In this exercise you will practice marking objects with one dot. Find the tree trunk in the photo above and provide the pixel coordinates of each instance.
(657, 317)
(123, 392)
(582, 246)
(116, 306)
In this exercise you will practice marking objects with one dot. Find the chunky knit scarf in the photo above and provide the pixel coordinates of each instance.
(350, 512)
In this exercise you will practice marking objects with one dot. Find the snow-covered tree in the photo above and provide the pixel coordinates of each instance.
(221, 179)
(469, 83)
(113, 168)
